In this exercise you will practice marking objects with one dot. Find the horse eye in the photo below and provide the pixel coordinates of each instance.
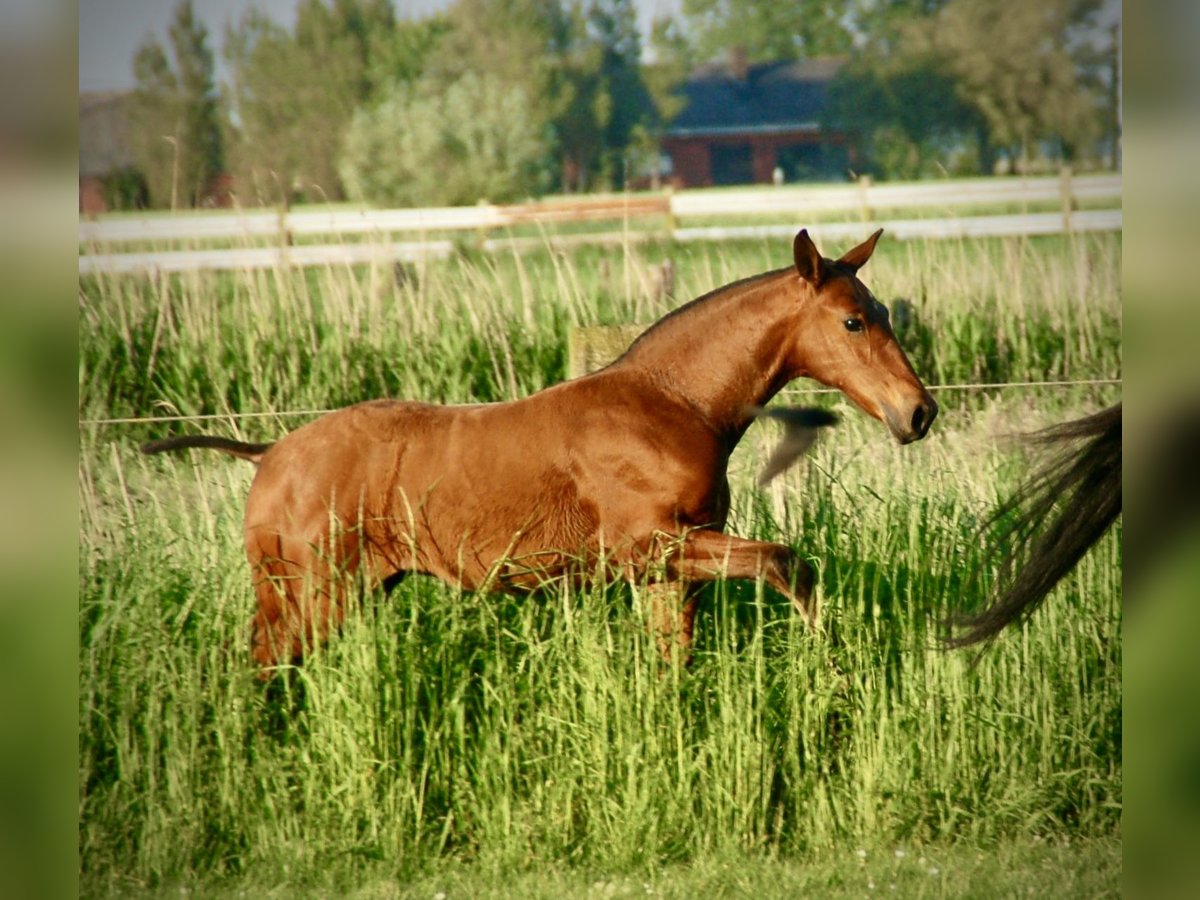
(853, 324)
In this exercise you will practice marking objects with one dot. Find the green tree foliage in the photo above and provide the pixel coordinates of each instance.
(537, 47)
(612, 26)
(573, 68)
(175, 115)
(576, 65)
(609, 106)
(293, 93)
(1021, 66)
(769, 30)
(430, 144)
(521, 43)
(937, 80)
(897, 99)
(674, 57)
(905, 118)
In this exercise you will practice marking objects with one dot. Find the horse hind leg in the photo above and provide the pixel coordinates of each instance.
(303, 598)
(290, 623)
(300, 602)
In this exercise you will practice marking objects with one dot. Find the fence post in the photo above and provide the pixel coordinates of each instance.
(672, 224)
(482, 231)
(1066, 194)
(864, 185)
(592, 347)
(285, 233)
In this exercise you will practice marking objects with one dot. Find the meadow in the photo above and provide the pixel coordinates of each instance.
(476, 745)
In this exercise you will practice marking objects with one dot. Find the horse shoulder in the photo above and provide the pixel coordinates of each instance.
(640, 457)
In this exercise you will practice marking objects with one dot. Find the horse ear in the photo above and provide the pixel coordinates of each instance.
(857, 258)
(809, 263)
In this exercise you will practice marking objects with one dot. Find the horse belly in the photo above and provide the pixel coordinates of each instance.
(498, 527)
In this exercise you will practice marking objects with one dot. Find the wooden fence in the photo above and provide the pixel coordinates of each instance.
(268, 239)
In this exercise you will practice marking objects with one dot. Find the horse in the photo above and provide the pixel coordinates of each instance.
(1050, 521)
(621, 472)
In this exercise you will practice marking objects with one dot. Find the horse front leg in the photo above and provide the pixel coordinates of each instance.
(672, 615)
(705, 555)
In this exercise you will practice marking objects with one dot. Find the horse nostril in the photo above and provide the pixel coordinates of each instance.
(921, 419)
(918, 419)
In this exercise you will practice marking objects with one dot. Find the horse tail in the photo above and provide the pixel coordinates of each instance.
(1051, 520)
(240, 449)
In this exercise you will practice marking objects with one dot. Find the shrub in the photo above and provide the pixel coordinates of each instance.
(426, 144)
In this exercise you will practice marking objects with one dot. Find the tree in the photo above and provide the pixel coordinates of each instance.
(516, 43)
(935, 78)
(674, 58)
(904, 112)
(612, 26)
(294, 93)
(430, 144)
(271, 97)
(175, 115)
(1021, 66)
(609, 107)
(577, 66)
(769, 30)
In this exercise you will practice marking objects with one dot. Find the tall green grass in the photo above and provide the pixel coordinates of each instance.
(519, 733)
(482, 328)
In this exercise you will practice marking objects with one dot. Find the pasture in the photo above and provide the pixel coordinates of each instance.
(487, 742)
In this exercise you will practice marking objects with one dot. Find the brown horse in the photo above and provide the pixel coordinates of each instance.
(622, 471)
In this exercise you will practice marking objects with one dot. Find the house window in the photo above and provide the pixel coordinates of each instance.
(732, 164)
(813, 162)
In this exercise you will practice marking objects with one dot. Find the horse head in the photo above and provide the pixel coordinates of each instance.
(845, 341)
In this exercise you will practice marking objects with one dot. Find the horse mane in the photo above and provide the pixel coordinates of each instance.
(1051, 520)
(691, 305)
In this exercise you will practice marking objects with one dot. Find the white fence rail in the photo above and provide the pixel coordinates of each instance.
(483, 217)
(271, 224)
(795, 203)
(910, 229)
(383, 253)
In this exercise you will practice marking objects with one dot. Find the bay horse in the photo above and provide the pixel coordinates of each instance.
(618, 472)
(1050, 521)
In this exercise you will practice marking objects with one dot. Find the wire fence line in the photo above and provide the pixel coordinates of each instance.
(933, 388)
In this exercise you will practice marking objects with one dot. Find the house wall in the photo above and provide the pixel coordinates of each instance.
(691, 157)
(91, 195)
(691, 164)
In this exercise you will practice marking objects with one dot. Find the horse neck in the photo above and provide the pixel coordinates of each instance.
(724, 352)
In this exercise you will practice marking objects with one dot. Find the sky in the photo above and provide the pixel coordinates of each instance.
(110, 31)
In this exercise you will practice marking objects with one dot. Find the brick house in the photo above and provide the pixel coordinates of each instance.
(104, 148)
(108, 169)
(741, 122)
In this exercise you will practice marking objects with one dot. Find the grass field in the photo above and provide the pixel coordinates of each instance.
(491, 745)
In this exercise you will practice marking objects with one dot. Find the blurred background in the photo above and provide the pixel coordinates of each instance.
(280, 101)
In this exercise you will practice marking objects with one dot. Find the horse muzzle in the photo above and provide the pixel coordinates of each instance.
(913, 424)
